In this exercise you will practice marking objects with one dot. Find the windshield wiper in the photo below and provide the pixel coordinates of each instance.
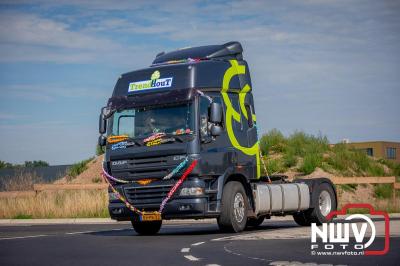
(135, 142)
(170, 135)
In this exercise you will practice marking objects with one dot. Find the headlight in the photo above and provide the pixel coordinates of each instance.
(112, 196)
(192, 191)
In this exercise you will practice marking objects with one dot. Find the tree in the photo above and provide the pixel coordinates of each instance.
(39, 163)
(4, 164)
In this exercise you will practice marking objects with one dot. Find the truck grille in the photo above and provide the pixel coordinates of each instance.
(148, 197)
(139, 168)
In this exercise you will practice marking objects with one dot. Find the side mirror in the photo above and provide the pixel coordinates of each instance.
(102, 124)
(102, 141)
(107, 112)
(215, 113)
(216, 130)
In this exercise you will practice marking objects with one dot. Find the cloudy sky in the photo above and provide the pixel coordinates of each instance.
(319, 66)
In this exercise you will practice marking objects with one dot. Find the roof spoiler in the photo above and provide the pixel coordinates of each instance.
(230, 50)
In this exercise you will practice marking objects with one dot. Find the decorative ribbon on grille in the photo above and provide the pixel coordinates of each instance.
(119, 196)
(107, 177)
(168, 176)
(177, 185)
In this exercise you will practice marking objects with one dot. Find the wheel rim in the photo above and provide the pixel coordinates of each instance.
(325, 203)
(238, 207)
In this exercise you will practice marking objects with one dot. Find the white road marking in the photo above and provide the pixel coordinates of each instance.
(185, 250)
(191, 258)
(22, 237)
(231, 252)
(100, 231)
(78, 233)
(213, 265)
(222, 238)
(198, 243)
(68, 233)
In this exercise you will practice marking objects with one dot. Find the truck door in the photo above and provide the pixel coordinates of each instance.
(217, 152)
(252, 137)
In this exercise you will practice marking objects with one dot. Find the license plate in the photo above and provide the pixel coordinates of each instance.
(150, 216)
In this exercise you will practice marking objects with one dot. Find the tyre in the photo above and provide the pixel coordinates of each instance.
(234, 205)
(146, 228)
(255, 222)
(324, 202)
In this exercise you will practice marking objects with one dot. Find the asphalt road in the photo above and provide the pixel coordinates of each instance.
(276, 242)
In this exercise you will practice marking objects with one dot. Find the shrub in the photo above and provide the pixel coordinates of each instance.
(310, 162)
(78, 168)
(383, 191)
(289, 159)
(272, 141)
(300, 143)
(273, 166)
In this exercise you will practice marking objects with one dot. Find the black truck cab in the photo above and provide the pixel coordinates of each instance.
(190, 104)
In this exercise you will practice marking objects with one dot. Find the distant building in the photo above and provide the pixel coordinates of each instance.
(380, 149)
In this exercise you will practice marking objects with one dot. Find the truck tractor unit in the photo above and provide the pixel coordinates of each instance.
(181, 142)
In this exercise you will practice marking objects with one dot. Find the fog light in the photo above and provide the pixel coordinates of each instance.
(185, 207)
(112, 196)
(192, 191)
(116, 211)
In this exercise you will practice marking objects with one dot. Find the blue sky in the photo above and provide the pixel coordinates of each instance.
(319, 66)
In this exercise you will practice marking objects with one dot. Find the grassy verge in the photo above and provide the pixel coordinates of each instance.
(303, 153)
(58, 204)
(77, 168)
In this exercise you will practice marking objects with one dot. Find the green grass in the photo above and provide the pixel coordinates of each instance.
(78, 168)
(289, 159)
(273, 141)
(310, 162)
(315, 151)
(22, 216)
(273, 166)
(348, 187)
(383, 191)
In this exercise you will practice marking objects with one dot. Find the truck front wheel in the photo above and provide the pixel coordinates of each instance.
(233, 215)
(146, 228)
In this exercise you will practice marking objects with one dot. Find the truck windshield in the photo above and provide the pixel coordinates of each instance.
(142, 122)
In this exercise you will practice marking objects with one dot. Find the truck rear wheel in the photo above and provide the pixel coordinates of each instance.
(146, 228)
(233, 215)
(255, 222)
(324, 202)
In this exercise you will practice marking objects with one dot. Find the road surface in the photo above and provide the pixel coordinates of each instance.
(276, 242)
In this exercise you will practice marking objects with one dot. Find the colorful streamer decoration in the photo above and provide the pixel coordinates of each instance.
(120, 197)
(177, 169)
(177, 185)
(107, 177)
(168, 176)
(118, 138)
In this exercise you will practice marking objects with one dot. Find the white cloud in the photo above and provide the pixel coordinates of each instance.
(51, 92)
(33, 30)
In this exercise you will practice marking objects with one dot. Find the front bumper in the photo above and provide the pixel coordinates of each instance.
(180, 208)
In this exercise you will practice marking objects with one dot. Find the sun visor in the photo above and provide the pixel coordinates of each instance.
(151, 99)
